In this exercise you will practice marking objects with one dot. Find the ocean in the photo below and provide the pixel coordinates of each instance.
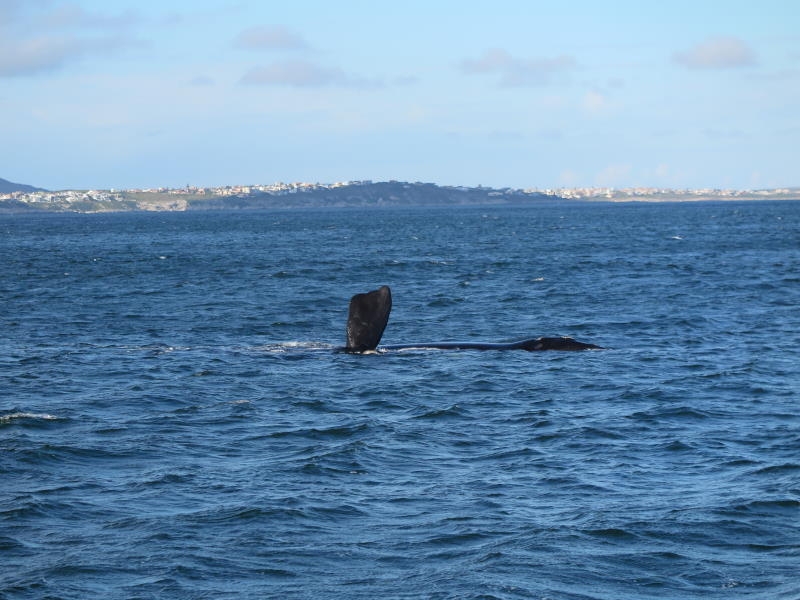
(176, 423)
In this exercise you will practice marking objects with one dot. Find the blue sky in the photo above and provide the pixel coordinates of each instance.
(122, 93)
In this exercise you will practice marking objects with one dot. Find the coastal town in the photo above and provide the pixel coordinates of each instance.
(348, 193)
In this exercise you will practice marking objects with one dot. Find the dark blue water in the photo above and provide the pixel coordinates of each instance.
(174, 424)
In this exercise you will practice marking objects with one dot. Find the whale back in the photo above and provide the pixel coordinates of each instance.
(531, 345)
(367, 318)
(553, 343)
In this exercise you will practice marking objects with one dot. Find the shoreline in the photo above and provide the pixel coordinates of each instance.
(353, 195)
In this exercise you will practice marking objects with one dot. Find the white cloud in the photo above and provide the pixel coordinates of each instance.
(36, 55)
(717, 53)
(518, 71)
(73, 16)
(614, 175)
(270, 37)
(10, 10)
(568, 178)
(201, 81)
(595, 103)
(35, 38)
(303, 74)
(492, 60)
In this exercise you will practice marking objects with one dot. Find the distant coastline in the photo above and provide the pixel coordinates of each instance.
(346, 194)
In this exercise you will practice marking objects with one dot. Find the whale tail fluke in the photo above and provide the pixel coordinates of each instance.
(367, 318)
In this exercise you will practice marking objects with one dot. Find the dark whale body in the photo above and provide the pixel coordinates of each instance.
(369, 314)
(531, 345)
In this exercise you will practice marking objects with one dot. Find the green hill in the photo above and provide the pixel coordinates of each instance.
(6, 187)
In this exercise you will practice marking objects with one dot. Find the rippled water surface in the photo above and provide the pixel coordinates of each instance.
(174, 422)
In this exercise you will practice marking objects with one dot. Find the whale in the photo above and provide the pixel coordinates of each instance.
(368, 316)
